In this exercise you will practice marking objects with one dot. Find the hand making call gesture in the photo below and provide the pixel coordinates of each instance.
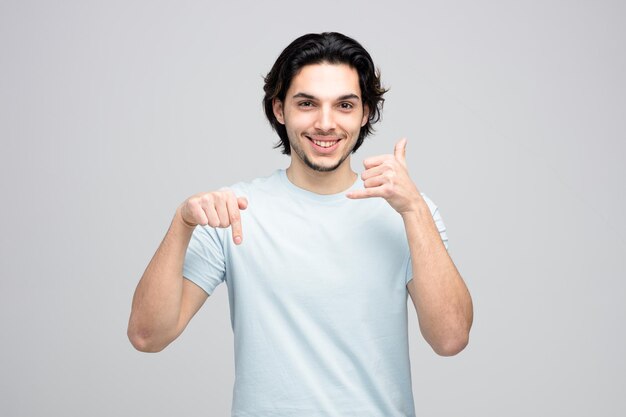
(216, 209)
(387, 176)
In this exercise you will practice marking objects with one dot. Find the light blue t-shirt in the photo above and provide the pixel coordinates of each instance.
(318, 301)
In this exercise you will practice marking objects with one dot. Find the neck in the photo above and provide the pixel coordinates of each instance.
(330, 182)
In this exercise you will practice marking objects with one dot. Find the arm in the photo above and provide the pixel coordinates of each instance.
(441, 299)
(164, 302)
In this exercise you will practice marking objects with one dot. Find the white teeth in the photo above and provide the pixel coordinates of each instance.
(324, 144)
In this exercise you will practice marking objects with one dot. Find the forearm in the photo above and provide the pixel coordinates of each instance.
(156, 306)
(441, 298)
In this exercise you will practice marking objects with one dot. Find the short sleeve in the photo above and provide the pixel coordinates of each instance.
(441, 227)
(204, 261)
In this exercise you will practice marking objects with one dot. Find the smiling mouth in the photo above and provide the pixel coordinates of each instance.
(324, 144)
(323, 141)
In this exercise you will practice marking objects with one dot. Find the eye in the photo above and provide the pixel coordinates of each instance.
(305, 104)
(346, 106)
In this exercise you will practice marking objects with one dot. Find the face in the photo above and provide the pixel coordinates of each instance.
(323, 115)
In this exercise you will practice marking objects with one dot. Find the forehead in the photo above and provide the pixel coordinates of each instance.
(325, 81)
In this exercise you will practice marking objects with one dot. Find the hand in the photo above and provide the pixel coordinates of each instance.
(387, 176)
(216, 209)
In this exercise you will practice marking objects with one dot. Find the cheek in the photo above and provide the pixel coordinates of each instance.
(299, 121)
(352, 122)
(295, 127)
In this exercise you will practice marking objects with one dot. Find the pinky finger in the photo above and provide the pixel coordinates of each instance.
(201, 217)
(364, 193)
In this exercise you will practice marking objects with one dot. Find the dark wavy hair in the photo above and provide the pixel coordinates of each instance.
(317, 48)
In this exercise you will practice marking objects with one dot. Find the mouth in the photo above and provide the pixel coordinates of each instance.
(324, 144)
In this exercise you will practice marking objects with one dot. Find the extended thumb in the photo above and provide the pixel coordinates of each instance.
(400, 149)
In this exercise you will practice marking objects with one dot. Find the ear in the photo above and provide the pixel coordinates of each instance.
(366, 115)
(277, 106)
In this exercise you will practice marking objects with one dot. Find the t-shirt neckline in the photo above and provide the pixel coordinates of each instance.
(322, 198)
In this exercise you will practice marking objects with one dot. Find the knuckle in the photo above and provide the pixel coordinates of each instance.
(224, 223)
(206, 199)
(190, 214)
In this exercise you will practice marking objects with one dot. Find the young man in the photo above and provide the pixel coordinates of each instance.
(319, 261)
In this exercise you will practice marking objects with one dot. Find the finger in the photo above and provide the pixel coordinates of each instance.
(365, 193)
(198, 215)
(373, 172)
(235, 218)
(242, 202)
(213, 219)
(376, 160)
(375, 181)
(222, 210)
(399, 151)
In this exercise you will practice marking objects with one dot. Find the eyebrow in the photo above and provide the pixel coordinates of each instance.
(310, 97)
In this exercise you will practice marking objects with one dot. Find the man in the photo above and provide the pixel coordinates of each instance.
(319, 261)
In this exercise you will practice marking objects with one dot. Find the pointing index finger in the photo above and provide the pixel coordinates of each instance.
(235, 218)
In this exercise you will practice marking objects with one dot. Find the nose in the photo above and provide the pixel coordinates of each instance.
(325, 119)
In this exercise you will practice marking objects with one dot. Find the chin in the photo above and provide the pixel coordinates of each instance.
(328, 167)
(323, 168)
